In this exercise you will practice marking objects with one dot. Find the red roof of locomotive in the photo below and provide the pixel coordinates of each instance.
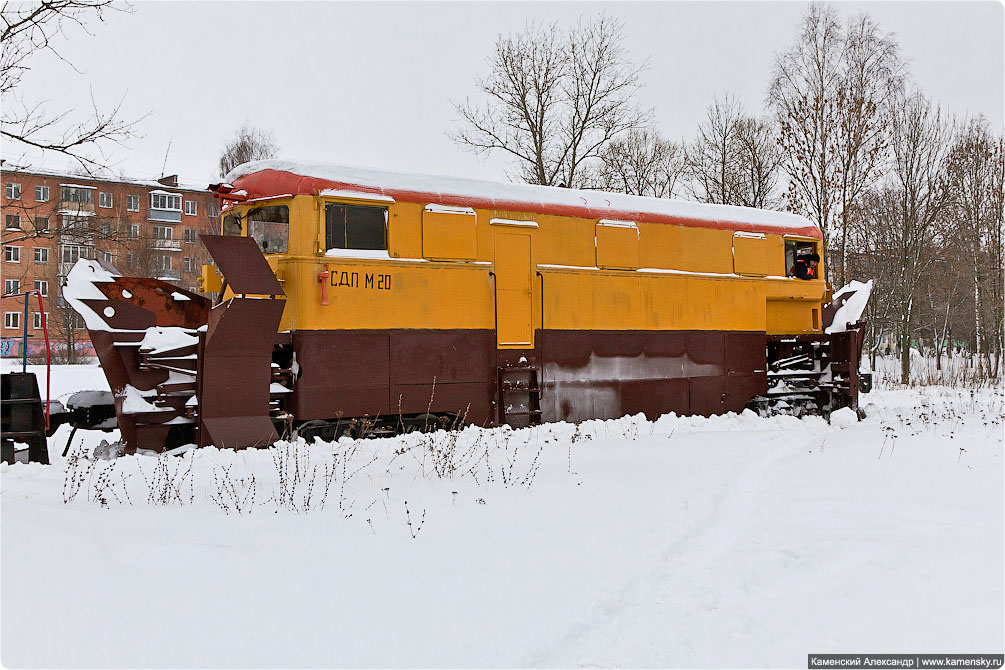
(260, 179)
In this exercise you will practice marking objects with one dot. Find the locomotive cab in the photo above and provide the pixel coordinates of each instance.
(268, 223)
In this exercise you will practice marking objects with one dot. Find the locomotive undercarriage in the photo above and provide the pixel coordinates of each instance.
(814, 374)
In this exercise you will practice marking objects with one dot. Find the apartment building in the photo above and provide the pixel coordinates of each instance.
(51, 219)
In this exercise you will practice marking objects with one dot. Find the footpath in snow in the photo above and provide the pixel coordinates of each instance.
(734, 541)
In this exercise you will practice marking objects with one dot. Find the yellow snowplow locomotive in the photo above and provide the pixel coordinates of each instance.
(357, 299)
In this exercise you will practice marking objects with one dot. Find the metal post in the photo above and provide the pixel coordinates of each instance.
(24, 341)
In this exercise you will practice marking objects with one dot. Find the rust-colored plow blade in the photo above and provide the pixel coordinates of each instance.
(242, 264)
(145, 333)
(180, 371)
(236, 371)
(170, 305)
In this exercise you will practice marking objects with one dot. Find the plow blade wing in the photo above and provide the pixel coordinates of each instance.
(236, 369)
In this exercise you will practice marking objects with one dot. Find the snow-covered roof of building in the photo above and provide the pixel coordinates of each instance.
(100, 177)
(267, 177)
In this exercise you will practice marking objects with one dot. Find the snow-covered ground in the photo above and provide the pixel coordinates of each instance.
(734, 541)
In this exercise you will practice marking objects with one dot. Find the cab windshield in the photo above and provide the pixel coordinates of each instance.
(270, 227)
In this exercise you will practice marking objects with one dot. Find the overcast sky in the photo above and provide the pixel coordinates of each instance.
(371, 84)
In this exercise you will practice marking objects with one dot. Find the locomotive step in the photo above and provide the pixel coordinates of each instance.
(164, 389)
(793, 373)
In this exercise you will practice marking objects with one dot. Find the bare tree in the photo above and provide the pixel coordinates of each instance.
(872, 76)
(759, 158)
(975, 176)
(711, 158)
(830, 93)
(874, 218)
(902, 224)
(248, 144)
(555, 99)
(734, 159)
(996, 254)
(804, 95)
(25, 30)
(642, 162)
(66, 330)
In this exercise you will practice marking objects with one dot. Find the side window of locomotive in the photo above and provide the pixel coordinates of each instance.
(270, 226)
(355, 227)
(793, 250)
(232, 225)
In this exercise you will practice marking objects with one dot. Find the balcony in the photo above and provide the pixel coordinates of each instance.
(82, 236)
(168, 275)
(164, 215)
(165, 245)
(76, 200)
(72, 208)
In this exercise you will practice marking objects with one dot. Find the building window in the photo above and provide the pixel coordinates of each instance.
(355, 227)
(41, 224)
(13, 191)
(130, 261)
(161, 262)
(41, 255)
(12, 254)
(12, 222)
(106, 256)
(188, 263)
(72, 253)
(134, 231)
(132, 203)
(190, 207)
(42, 286)
(11, 286)
(165, 201)
(189, 235)
(12, 319)
(41, 194)
(37, 320)
(162, 232)
(78, 194)
(104, 199)
(213, 210)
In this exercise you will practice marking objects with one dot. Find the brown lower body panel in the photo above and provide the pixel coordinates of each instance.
(351, 373)
(607, 374)
(582, 374)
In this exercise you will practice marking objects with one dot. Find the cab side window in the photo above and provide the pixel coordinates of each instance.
(793, 250)
(355, 227)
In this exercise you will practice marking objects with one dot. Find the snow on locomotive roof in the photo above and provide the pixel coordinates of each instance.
(262, 177)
